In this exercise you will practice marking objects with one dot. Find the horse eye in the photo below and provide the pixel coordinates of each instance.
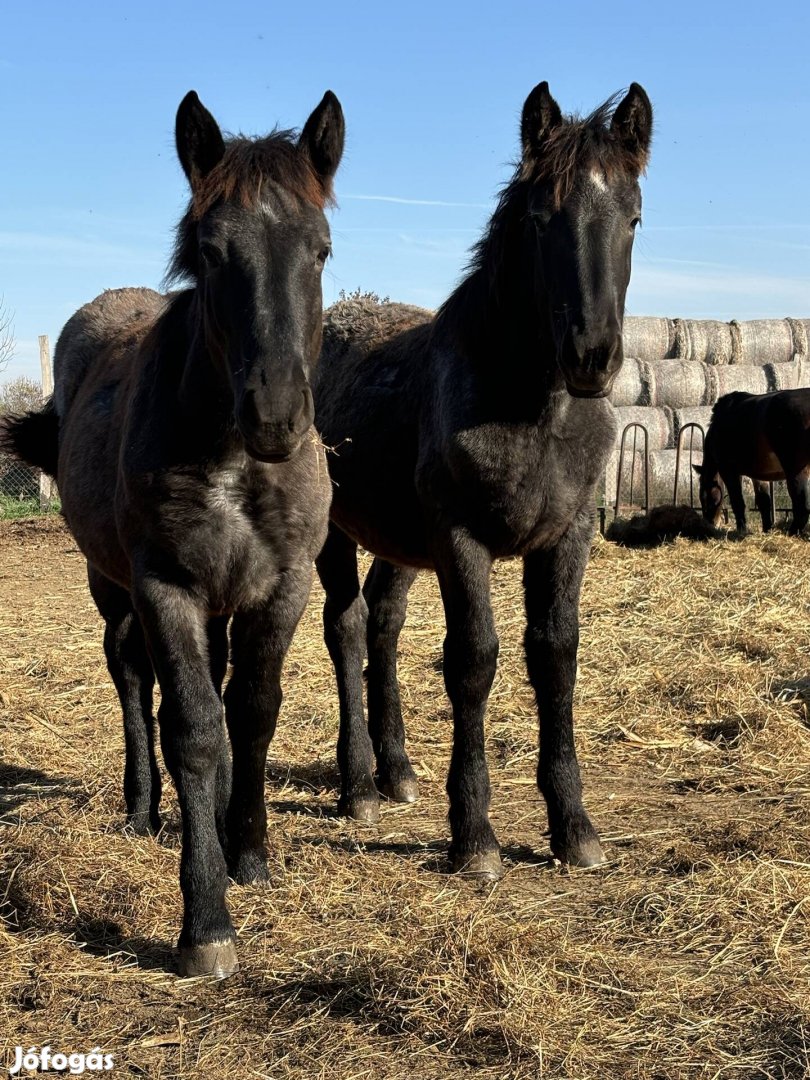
(212, 256)
(635, 222)
(323, 255)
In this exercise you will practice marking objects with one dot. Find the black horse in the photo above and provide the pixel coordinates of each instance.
(192, 479)
(476, 435)
(765, 437)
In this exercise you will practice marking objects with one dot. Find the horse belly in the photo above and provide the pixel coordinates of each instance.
(766, 465)
(375, 501)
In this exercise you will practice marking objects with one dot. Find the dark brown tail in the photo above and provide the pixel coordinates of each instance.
(33, 437)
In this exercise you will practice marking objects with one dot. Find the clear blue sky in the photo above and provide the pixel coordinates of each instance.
(432, 92)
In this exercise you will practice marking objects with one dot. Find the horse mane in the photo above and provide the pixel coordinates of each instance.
(583, 142)
(578, 142)
(240, 177)
(727, 401)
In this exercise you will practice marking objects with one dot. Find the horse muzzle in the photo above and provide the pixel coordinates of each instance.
(275, 436)
(590, 372)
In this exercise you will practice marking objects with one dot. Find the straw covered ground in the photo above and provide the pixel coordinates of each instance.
(685, 956)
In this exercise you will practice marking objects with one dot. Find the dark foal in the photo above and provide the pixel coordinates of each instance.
(765, 437)
(193, 482)
(476, 435)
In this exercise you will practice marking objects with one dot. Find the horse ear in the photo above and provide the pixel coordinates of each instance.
(633, 121)
(323, 135)
(541, 114)
(199, 141)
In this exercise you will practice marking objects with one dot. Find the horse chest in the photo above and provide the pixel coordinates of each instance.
(521, 486)
(238, 531)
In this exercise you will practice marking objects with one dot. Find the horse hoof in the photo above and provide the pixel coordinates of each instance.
(366, 810)
(584, 854)
(250, 870)
(143, 825)
(484, 865)
(216, 959)
(401, 791)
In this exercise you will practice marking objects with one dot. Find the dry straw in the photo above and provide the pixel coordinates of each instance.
(685, 956)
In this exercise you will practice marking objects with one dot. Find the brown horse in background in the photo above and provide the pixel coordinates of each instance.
(765, 437)
(190, 475)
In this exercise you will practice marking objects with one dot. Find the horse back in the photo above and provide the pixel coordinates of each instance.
(87, 338)
(765, 436)
(96, 369)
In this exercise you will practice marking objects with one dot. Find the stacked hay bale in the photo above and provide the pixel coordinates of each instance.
(674, 372)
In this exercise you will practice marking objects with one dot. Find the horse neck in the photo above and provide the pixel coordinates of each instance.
(203, 389)
(500, 322)
(709, 455)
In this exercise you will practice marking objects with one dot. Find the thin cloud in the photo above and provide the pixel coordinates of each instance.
(717, 294)
(726, 228)
(415, 202)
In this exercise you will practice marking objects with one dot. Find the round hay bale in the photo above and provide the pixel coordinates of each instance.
(662, 477)
(632, 476)
(680, 383)
(631, 386)
(770, 341)
(705, 340)
(648, 338)
(782, 376)
(700, 414)
(802, 368)
(657, 421)
(750, 378)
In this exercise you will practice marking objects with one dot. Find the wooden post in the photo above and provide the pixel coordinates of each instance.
(45, 482)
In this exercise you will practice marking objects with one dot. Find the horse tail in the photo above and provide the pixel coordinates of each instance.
(33, 437)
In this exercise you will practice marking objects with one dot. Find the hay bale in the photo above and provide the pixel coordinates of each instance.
(802, 366)
(706, 341)
(784, 376)
(750, 378)
(648, 338)
(633, 470)
(774, 341)
(663, 523)
(662, 475)
(701, 414)
(680, 383)
(657, 421)
(631, 386)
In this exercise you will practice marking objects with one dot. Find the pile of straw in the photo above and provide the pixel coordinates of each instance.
(686, 955)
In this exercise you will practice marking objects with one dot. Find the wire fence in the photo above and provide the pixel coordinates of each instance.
(24, 490)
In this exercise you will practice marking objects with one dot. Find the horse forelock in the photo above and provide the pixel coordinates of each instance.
(582, 144)
(249, 164)
(248, 168)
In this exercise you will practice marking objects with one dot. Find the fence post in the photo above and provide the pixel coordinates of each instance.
(45, 482)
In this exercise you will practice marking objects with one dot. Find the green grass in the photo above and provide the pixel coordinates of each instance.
(11, 508)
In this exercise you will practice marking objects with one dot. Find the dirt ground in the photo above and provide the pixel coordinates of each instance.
(685, 956)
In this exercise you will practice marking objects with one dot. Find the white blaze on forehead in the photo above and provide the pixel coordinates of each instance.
(597, 178)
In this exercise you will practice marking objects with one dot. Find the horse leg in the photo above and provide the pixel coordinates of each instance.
(737, 500)
(386, 593)
(344, 628)
(134, 678)
(470, 659)
(797, 485)
(552, 581)
(218, 664)
(762, 497)
(260, 641)
(191, 732)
